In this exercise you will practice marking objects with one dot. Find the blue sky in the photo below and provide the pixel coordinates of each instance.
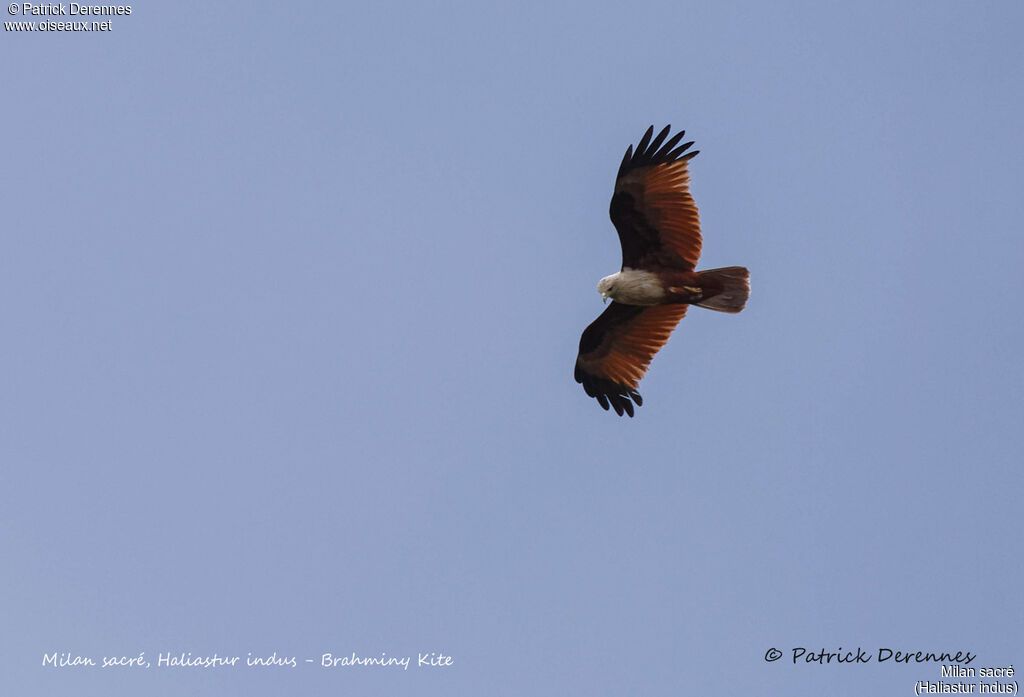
(291, 298)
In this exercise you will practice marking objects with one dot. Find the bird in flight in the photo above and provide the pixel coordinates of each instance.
(659, 230)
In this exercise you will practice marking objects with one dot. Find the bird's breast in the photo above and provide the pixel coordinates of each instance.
(638, 287)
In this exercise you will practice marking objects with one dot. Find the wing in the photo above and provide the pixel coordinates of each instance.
(652, 208)
(617, 347)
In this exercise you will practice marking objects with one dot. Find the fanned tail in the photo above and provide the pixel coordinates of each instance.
(726, 289)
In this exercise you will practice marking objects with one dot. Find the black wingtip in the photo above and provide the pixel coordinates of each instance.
(656, 143)
(641, 147)
(657, 151)
(669, 144)
(610, 395)
(626, 158)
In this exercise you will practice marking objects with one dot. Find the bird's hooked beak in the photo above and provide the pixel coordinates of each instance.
(604, 298)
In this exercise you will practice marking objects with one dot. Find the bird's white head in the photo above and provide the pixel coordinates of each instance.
(606, 287)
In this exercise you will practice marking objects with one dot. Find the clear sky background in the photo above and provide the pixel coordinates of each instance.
(291, 296)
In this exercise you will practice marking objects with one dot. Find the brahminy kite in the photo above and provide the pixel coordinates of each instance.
(659, 230)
